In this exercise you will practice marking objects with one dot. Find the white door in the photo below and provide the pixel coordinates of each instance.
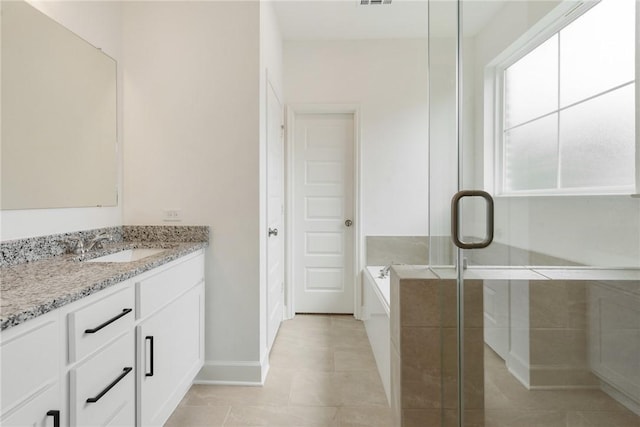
(275, 210)
(323, 213)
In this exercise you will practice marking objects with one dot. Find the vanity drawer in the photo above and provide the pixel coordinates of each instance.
(102, 389)
(157, 291)
(98, 322)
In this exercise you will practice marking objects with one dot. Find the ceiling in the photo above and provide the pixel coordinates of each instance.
(349, 20)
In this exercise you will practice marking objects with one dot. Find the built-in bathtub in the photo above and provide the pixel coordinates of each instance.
(375, 314)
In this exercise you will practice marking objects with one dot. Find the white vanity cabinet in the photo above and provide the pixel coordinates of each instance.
(123, 356)
(29, 361)
(169, 337)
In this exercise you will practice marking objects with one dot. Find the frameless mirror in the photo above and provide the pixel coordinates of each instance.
(59, 126)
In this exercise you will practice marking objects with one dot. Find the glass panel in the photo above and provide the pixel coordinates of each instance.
(531, 84)
(551, 309)
(531, 154)
(597, 51)
(598, 140)
(443, 150)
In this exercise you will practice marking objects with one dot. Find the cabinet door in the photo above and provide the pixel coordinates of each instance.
(169, 356)
(41, 411)
(29, 369)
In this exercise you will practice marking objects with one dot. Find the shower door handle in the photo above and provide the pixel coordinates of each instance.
(455, 219)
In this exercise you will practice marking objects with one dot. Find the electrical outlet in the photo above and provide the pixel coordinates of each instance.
(171, 215)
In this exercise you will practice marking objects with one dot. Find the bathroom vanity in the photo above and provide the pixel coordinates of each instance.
(101, 343)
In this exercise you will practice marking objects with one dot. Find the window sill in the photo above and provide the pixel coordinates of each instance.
(552, 195)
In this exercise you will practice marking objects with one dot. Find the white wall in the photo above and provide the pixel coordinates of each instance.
(270, 73)
(594, 230)
(99, 23)
(192, 125)
(388, 79)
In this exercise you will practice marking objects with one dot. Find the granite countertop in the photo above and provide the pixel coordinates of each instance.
(28, 290)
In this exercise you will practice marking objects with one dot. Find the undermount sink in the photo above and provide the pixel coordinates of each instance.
(127, 255)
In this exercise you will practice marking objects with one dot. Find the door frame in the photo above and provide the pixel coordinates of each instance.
(270, 87)
(290, 113)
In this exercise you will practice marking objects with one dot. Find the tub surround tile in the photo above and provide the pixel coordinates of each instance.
(42, 284)
(387, 250)
(413, 272)
(424, 347)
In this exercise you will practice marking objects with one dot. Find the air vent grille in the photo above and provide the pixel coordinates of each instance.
(370, 2)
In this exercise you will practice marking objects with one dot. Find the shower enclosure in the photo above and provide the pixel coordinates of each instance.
(533, 107)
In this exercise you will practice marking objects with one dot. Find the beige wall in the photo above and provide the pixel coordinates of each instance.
(388, 80)
(192, 143)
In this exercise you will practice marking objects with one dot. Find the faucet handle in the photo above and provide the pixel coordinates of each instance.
(77, 245)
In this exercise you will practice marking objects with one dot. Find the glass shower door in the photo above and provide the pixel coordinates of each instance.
(534, 102)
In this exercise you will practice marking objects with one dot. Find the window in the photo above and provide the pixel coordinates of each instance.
(568, 108)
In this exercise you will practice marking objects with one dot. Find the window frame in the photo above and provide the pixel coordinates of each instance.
(495, 153)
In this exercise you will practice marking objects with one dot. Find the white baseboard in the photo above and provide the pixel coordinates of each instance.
(519, 369)
(622, 398)
(229, 372)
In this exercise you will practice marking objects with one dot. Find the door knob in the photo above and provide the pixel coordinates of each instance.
(273, 232)
(348, 223)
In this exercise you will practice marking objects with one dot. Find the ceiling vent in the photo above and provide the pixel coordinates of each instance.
(369, 2)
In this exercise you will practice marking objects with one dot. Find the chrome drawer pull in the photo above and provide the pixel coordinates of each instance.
(125, 311)
(124, 373)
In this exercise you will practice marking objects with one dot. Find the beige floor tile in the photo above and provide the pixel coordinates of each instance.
(360, 389)
(524, 418)
(302, 359)
(299, 416)
(345, 321)
(323, 374)
(315, 389)
(365, 416)
(203, 416)
(508, 402)
(602, 418)
(208, 395)
(349, 359)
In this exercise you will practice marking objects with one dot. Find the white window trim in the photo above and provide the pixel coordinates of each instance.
(494, 175)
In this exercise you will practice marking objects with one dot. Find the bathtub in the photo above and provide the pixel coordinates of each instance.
(375, 315)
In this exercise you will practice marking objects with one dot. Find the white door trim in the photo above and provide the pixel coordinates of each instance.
(271, 89)
(291, 111)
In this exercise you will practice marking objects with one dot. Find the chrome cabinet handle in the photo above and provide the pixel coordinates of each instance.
(125, 311)
(455, 218)
(124, 373)
(348, 223)
(273, 232)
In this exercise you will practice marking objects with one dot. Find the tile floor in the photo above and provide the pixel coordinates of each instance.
(509, 404)
(323, 374)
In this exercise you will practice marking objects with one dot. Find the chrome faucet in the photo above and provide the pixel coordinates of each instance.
(97, 240)
(385, 271)
(77, 245)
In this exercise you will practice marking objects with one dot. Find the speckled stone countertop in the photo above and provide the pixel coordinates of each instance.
(30, 289)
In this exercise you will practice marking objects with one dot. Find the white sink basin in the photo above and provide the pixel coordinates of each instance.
(127, 255)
